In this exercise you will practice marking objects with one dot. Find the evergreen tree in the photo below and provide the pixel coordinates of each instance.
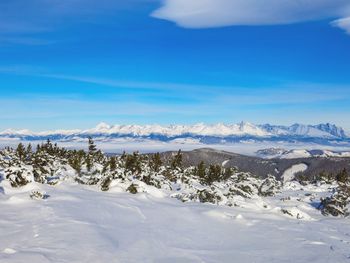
(88, 162)
(92, 147)
(29, 149)
(49, 147)
(177, 161)
(323, 176)
(214, 173)
(343, 176)
(337, 204)
(133, 163)
(38, 148)
(106, 182)
(155, 162)
(201, 170)
(21, 152)
(228, 172)
(76, 160)
(123, 156)
(113, 163)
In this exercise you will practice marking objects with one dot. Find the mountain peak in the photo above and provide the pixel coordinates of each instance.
(332, 129)
(202, 132)
(102, 126)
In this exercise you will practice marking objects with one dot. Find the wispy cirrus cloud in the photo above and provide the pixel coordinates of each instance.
(277, 93)
(218, 13)
(24, 40)
(121, 101)
(43, 15)
(24, 22)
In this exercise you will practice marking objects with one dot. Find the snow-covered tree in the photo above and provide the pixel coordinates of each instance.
(337, 204)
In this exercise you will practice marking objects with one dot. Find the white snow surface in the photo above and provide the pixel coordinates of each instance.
(289, 174)
(302, 153)
(81, 224)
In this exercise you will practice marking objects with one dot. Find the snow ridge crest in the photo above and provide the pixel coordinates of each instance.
(326, 131)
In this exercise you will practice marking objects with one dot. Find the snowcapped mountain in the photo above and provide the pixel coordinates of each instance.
(281, 153)
(208, 134)
(332, 129)
(200, 129)
(320, 131)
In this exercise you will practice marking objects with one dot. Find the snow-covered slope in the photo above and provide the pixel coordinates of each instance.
(82, 224)
(60, 205)
(289, 174)
(299, 153)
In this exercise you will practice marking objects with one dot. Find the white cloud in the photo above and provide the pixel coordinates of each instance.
(343, 23)
(218, 13)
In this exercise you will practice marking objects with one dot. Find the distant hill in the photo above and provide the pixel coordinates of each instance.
(262, 167)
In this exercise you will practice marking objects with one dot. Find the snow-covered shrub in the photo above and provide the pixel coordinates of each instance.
(270, 186)
(88, 180)
(337, 204)
(243, 185)
(295, 213)
(137, 173)
(105, 183)
(246, 191)
(208, 196)
(284, 199)
(132, 189)
(19, 176)
(38, 195)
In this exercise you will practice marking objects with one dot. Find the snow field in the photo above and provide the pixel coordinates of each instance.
(81, 224)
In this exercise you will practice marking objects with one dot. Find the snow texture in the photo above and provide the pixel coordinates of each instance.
(289, 174)
(127, 212)
(281, 153)
(81, 224)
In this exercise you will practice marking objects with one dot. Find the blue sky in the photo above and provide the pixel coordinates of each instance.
(72, 64)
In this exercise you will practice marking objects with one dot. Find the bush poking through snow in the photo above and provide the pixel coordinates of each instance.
(337, 204)
(295, 213)
(202, 196)
(343, 177)
(205, 183)
(38, 195)
(132, 189)
(269, 187)
(208, 196)
(19, 176)
(106, 182)
(286, 212)
(246, 191)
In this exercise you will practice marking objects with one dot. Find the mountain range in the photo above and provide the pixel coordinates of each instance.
(203, 133)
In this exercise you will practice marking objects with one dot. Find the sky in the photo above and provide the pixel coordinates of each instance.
(67, 64)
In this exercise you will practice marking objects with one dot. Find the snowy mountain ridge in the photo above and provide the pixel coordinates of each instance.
(281, 153)
(243, 129)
